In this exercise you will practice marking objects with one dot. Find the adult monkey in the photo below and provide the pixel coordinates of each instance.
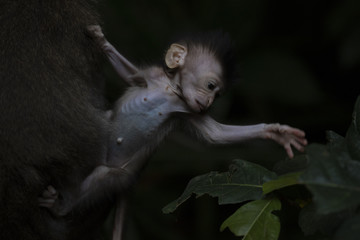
(52, 117)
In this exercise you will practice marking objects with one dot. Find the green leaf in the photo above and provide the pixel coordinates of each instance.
(255, 220)
(297, 164)
(333, 178)
(335, 141)
(286, 180)
(310, 221)
(241, 183)
(353, 142)
(350, 229)
(356, 114)
(353, 133)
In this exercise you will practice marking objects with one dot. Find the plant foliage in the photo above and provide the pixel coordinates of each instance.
(255, 220)
(331, 175)
(241, 183)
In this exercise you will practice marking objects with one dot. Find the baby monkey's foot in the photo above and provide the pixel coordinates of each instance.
(48, 197)
(53, 201)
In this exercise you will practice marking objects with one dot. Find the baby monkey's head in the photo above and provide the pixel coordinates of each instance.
(203, 63)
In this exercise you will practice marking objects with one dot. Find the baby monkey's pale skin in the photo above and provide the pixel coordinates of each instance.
(143, 116)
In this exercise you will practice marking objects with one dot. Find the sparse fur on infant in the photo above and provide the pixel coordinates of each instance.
(195, 73)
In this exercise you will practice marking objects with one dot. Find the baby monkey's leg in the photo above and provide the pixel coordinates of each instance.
(103, 184)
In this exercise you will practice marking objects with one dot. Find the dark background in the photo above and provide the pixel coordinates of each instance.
(298, 64)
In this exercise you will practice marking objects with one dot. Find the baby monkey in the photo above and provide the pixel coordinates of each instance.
(193, 74)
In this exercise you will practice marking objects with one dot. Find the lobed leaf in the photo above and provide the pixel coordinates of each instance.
(335, 141)
(333, 178)
(255, 220)
(297, 164)
(282, 181)
(353, 133)
(241, 183)
(310, 221)
(349, 230)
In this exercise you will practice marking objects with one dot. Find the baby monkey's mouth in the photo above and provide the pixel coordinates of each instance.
(201, 106)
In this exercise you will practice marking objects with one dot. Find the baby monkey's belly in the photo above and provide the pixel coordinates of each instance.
(136, 129)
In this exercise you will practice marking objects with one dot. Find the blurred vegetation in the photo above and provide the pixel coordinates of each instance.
(298, 63)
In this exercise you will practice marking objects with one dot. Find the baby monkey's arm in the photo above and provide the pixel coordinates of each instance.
(126, 70)
(217, 133)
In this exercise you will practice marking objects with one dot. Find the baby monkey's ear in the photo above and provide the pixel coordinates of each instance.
(175, 56)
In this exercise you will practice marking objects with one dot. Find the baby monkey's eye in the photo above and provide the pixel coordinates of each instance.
(211, 86)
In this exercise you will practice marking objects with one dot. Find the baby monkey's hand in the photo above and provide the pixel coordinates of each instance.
(96, 33)
(286, 136)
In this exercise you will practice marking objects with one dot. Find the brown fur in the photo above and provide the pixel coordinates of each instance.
(52, 127)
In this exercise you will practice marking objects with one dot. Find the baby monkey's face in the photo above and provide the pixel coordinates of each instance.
(201, 81)
(200, 75)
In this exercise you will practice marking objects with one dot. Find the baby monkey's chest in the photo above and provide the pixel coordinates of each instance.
(137, 126)
(140, 118)
(145, 113)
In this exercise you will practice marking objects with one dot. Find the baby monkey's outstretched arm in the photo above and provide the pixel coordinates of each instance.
(217, 133)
